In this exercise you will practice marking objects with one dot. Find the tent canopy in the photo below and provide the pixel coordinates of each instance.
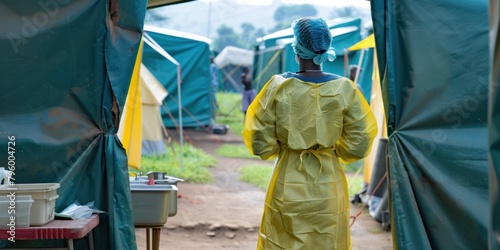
(367, 43)
(192, 52)
(230, 62)
(234, 56)
(433, 61)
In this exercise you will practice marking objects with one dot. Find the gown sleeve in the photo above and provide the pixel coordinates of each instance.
(359, 130)
(259, 133)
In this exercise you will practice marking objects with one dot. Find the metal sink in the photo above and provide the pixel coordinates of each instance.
(153, 204)
(168, 180)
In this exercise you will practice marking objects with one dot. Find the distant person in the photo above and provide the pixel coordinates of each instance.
(353, 70)
(249, 92)
(214, 82)
(310, 120)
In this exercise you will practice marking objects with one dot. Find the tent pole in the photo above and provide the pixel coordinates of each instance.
(360, 62)
(151, 42)
(181, 135)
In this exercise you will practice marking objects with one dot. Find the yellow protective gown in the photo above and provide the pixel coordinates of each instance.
(309, 127)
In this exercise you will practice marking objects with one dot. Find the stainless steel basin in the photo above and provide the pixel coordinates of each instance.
(152, 203)
(168, 180)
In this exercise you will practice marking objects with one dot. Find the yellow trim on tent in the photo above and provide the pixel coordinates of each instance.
(368, 42)
(130, 131)
(377, 105)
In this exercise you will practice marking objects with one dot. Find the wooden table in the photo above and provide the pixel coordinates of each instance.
(57, 229)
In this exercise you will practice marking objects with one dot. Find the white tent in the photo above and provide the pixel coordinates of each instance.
(230, 61)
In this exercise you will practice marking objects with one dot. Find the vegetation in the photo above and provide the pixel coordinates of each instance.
(195, 164)
(235, 151)
(229, 112)
(260, 175)
(285, 14)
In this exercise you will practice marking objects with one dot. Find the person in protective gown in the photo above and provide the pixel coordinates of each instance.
(311, 121)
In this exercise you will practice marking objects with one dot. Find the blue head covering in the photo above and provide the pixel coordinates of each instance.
(312, 40)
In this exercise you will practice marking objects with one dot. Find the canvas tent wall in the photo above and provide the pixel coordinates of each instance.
(63, 88)
(153, 130)
(494, 127)
(230, 62)
(436, 106)
(193, 54)
(274, 53)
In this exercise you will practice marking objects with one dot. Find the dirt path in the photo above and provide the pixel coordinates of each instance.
(226, 214)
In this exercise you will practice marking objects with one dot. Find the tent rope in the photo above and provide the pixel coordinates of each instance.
(205, 128)
(276, 54)
(177, 127)
(354, 217)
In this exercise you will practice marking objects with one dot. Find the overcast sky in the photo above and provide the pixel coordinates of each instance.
(211, 14)
(363, 3)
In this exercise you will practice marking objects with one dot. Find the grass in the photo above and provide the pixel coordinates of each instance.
(354, 166)
(235, 151)
(229, 112)
(195, 163)
(355, 185)
(257, 175)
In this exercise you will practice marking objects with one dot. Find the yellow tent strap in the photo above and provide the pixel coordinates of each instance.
(132, 130)
(276, 54)
(351, 181)
(231, 72)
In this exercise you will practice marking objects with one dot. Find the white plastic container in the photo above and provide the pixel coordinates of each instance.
(20, 211)
(44, 197)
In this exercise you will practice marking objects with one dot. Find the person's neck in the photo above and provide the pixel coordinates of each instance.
(309, 71)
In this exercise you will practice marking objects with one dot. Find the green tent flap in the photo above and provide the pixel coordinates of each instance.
(494, 126)
(433, 60)
(65, 68)
(192, 52)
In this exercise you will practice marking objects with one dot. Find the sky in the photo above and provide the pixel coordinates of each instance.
(203, 17)
(313, 2)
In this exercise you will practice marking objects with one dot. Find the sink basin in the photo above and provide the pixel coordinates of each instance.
(172, 205)
(152, 203)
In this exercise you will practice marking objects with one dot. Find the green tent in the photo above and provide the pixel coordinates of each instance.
(494, 127)
(192, 53)
(433, 60)
(65, 68)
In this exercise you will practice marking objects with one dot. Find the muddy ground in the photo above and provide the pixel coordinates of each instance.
(226, 214)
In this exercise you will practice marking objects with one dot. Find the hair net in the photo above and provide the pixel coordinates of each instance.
(312, 39)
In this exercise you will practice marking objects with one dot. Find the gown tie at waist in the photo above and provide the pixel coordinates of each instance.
(317, 152)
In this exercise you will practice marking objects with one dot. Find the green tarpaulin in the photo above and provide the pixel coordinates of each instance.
(433, 58)
(65, 68)
(494, 126)
(192, 52)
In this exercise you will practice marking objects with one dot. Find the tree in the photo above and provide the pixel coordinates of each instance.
(285, 14)
(226, 37)
(156, 17)
(347, 11)
(248, 31)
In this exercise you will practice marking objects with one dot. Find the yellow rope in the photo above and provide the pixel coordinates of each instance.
(276, 54)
